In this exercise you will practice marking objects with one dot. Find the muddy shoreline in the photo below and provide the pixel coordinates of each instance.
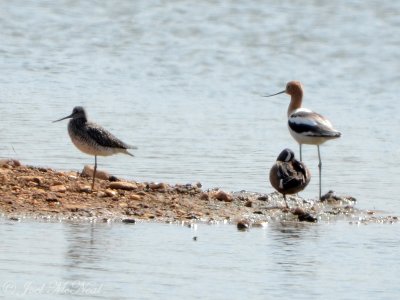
(44, 193)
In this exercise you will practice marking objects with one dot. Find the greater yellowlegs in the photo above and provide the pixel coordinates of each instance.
(288, 175)
(306, 126)
(93, 139)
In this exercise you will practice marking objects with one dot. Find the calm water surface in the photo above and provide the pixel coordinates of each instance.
(183, 80)
(152, 261)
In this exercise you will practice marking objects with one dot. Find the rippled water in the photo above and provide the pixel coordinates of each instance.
(183, 80)
(152, 261)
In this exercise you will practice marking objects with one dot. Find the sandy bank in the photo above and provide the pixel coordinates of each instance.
(46, 193)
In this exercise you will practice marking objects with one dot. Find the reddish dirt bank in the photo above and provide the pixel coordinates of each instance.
(46, 193)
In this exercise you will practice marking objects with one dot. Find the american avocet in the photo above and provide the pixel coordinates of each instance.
(93, 139)
(288, 175)
(306, 126)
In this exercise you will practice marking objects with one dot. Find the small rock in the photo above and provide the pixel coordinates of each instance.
(123, 204)
(121, 185)
(198, 184)
(222, 196)
(204, 196)
(158, 186)
(129, 221)
(304, 216)
(191, 217)
(14, 219)
(85, 189)
(330, 196)
(259, 224)
(258, 212)
(36, 179)
(248, 203)
(89, 170)
(113, 178)
(263, 198)
(135, 197)
(307, 218)
(101, 194)
(110, 193)
(10, 162)
(243, 225)
(58, 188)
(195, 238)
(52, 200)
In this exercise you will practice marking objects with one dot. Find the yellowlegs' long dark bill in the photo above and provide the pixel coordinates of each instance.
(93, 139)
(288, 175)
(306, 126)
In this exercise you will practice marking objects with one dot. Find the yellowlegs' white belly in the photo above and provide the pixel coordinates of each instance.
(94, 149)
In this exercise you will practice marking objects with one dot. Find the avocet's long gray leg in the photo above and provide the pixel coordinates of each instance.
(301, 159)
(320, 171)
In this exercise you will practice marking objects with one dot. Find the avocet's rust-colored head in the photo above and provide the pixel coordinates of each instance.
(295, 90)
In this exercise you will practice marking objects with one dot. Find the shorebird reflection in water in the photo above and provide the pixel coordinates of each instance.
(93, 139)
(306, 126)
(288, 175)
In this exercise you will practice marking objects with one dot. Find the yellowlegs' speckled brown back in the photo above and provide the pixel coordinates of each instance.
(93, 139)
(288, 175)
(306, 126)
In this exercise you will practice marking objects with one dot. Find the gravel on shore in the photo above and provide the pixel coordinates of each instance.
(37, 192)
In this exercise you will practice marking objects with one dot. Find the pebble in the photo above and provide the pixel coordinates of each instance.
(110, 193)
(52, 200)
(89, 170)
(263, 198)
(222, 196)
(10, 162)
(59, 188)
(304, 216)
(248, 203)
(307, 218)
(129, 221)
(101, 194)
(36, 179)
(158, 186)
(85, 189)
(243, 225)
(204, 196)
(259, 224)
(113, 178)
(121, 185)
(135, 197)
